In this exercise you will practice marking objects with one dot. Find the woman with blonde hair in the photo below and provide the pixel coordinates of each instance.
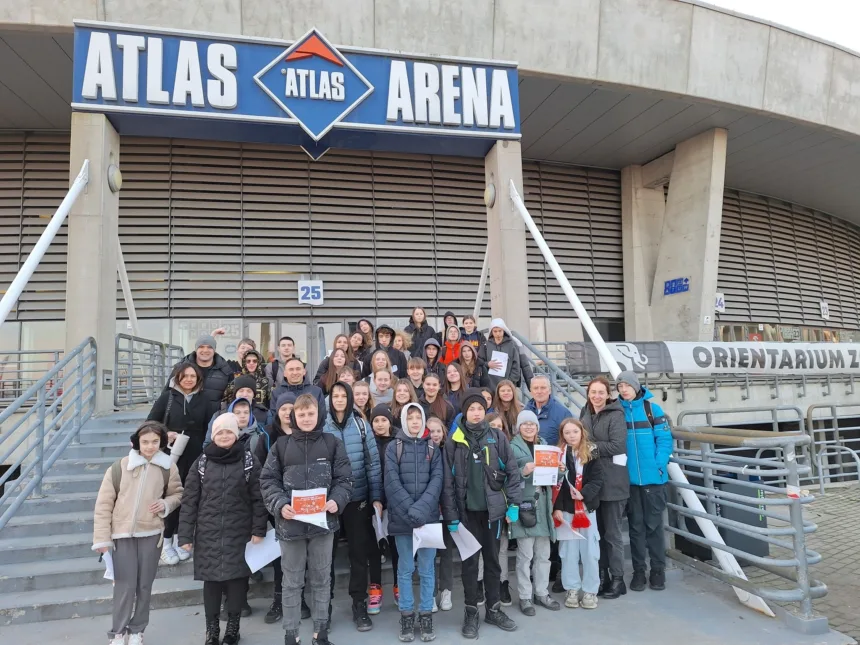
(362, 398)
(403, 342)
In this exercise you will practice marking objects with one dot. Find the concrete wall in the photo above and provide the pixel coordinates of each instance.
(675, 46)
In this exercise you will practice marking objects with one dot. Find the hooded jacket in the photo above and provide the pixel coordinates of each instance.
(481, 376)
(188, 415)
(451, 348)
(398, 360)
(216, 378)
(419, 336)
(437, 366)
(476, 339)
(254, 431)
(540, 496)
(513, 371)
(607, 430)
(274, 430)
(361, 449)
(263, 384)
(445, 326)
(323, 368)
(302, 461)
(648, 448)
(413, 483)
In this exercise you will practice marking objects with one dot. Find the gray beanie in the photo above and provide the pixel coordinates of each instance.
(630, 378)
(206, 339)
(527, 416)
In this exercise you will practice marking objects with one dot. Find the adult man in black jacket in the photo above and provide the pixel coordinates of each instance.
(217, 372)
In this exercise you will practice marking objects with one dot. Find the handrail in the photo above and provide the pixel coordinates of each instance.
(56, 405)
(29, 267)
(556, 370)
(141, 368)
(19, 369)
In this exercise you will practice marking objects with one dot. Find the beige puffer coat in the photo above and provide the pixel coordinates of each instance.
(126, 514)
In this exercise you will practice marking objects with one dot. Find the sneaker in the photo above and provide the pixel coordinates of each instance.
(589, 601)
(446, 604)
(135, 639)
(276, 611)
(548, 602)
(425, 625)
(182, 554)
(306, 611)
(169, 556)
(374, 600)
(396, 595)
(407, 628)
(527, 607)
(505, 594)
(435, 606)
(500, 619)
(470, 623)
(638, 581)
(118, 639)
(657, 579)
(481, 599)
(359, 616)
(571, 600)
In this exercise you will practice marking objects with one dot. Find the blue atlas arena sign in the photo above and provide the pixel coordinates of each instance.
(308, 93)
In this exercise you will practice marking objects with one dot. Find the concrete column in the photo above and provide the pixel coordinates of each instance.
(506, 239)
(690, 240)
(92, 249)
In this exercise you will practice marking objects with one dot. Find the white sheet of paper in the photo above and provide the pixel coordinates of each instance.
(619, 460)
(503, 358)
(428, 536)
(259, 555)
(317, 519)
(566, 532)
(107, 558)
(546, 475)
(466, 543)
(380, 524)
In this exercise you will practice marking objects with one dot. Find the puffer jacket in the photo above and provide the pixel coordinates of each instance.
(513, 372)
(298, 390)
(222, 509)
(216, 378)
(419, 336)
(125, 513)
(413, 483)
(592, 483)
(607, 430)
(254, 431)
(186, 416)
(303, 461)
(648, 448)
(541, 496)
(357, 438)
(398, 360)
(497, 455)
(263, 384)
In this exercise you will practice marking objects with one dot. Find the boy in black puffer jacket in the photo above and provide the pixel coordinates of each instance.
(413, 486)
(383, 430)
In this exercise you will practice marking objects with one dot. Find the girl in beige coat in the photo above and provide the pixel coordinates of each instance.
(136, 494)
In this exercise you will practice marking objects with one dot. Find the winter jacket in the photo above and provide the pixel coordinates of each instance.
(449, 415)
(648, 448)
(357, 438)
(476, 339)
(221, 510)
(450, 348)
(274, 371)
(445, 326)
(262, 382)
(413, 483)
(273, 433)
(398, 360)
(513, 372)
(381, 445)
(216, 378)
(498, 458)
(592, 483)
(186, 415)
(125, 513)
(303, 461)
(607, 430)
(254, 430)
(549, 417)
(323, 368)
(419, 336)
(481, 376)
(298, 390)
(541, 496)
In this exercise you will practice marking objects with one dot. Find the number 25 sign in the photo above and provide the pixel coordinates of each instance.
(311, 292)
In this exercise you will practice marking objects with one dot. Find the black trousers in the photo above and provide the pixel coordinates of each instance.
(610, 516)
(236, 591)
(355, 519)
(374, 557)
(645, 523)
(488, 534)
(279, 575)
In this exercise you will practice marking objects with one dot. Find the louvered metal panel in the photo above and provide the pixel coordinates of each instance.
(11, 194)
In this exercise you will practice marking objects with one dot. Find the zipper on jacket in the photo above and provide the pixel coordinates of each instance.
(635, 442)
(139, 494)
(223, 495)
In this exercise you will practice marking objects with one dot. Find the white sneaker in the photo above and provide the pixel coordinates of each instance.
(181, 553)
(118, 639)
(435, 606)
(445, 604)
(135, 639)
(571, 601)
(589, 601)
(169, 556)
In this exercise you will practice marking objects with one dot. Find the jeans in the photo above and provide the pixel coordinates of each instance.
(587, 550)
(532, 557)
(356, 519)
(645, 520)
(609, 518)
(487, 534)
(135, 563)
(426, 576)
(236, 591)
(315, 554)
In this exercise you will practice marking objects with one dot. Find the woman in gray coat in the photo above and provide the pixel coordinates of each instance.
(607, 426)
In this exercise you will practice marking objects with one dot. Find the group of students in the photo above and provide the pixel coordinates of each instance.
(381, 432)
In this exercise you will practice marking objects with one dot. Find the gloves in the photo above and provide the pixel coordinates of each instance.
(454, 526)
(513, 513)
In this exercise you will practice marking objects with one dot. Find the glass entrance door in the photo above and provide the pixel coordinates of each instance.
(313, 339)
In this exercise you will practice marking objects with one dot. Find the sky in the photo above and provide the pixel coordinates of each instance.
(833, 20)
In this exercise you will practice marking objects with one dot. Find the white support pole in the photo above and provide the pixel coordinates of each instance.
(126, 290)
(482, 285)
(727, 561)
(29, 267)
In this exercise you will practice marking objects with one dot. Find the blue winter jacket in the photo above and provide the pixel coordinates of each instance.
(648, 448)
(368, 478)
(550, 417)
(413, 485)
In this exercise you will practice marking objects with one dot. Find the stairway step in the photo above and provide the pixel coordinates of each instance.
(81, 465)
(102, 435)
(111, 449)
(25, 526)
(47, 547)
(87, 482)
(56, 503)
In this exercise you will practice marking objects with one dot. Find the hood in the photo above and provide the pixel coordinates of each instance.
(260, 362)
(252, 421)
(498, 322)
(459, 335)
(449, 313)
(321, 418)
(358, 324)
(403, 413)
(386, 328)
(432, 341)
(172, 384)
(350, 405)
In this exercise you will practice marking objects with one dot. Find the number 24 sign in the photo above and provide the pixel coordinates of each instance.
(311, 292)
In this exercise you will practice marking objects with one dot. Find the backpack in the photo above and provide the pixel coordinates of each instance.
(399, 449)
(249, 465)
(362, 430)
(116, 476)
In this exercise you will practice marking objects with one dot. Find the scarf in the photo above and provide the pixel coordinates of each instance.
(580, 514)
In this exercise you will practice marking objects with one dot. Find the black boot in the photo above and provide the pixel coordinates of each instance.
(292, 639)
(481, 598)
(557, 586)
(425, 624)
(213, 631)
(495, 616)
(359, 616)
(616, 588)
(638, 581)
(407, 628)
(470, 623)
(276, 611)
(322, 638)
(505, 594)
(231, 634)
(306, 611)
(604, 583)
(657, 579)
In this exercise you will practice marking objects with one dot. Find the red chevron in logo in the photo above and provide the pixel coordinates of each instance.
(313, 46)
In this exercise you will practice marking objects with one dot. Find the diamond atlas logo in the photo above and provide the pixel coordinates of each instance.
(314, 84)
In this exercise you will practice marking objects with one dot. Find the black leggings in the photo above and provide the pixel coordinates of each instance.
(236, 591)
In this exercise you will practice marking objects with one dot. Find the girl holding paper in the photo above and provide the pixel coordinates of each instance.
(575, 500)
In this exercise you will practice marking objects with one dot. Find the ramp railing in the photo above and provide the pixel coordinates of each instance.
(836, 441)
(141, 369)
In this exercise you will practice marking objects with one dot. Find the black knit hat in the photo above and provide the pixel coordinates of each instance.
(472, 395)
(381, 410)
(245, 381)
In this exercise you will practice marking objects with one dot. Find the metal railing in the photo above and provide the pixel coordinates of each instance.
(835, 441)
(697, 453)
(42, 421)
(19, 369)
(141, 368)
(563, 386)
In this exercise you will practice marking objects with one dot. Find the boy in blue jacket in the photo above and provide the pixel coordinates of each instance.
(413, 486)
(649, 446)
